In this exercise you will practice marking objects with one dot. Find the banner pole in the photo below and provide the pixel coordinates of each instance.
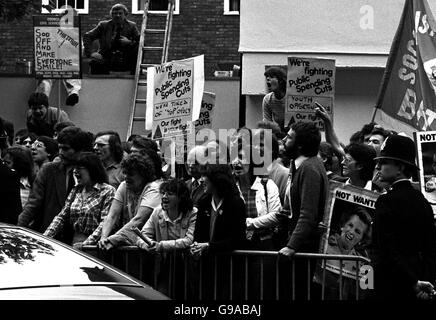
(373, 114)
(59, 99)
(173, 157)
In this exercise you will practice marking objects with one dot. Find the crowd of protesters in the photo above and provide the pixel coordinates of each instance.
(95, 189)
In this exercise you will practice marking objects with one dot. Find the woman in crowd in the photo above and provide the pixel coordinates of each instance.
(220, 224)
(19, 159)
(138, 171)
(171, 225)
(261, 196)
(44, 150)
(358, 165)
(87, 204)
(221, 216)
(273, 105)
(170, 228)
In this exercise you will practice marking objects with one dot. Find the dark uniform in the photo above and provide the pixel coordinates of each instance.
(404, 242)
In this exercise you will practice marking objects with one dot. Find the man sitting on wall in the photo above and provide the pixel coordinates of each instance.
(41, 118)
(118, 39)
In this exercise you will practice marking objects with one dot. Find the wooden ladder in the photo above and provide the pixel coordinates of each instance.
(137, 115)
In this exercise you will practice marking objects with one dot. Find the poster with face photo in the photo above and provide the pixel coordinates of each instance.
(347, 228)
(426, 151)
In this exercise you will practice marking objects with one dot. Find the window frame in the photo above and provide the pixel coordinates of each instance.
(135, 9)
(79, 11)
(227, 11)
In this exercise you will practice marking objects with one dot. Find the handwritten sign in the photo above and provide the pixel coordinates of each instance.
(309, 80)
(426, 151)
(206, 112)
(57, 47)
(174, 94)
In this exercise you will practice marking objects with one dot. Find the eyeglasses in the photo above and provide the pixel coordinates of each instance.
(38, 144)
(100, 145)
(79, 168)
(168, 193)
(347, 160)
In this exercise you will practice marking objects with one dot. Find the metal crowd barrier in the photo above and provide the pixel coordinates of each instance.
(205, 280)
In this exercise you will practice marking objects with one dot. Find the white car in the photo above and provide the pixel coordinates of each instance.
(34, 267)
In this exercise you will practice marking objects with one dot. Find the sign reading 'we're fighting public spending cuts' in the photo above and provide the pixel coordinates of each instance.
(309, 80)
(57, 46)
(174, 94)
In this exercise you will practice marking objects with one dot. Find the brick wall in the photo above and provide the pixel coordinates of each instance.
(200, 28)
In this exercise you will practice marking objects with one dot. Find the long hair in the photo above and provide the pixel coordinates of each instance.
(93, 164)
(220, 175)
(22, 161)
(150, 149)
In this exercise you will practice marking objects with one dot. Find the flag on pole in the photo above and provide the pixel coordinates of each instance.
(407, 96)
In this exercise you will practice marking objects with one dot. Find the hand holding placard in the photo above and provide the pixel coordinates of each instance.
(321, 112)
(146, 239)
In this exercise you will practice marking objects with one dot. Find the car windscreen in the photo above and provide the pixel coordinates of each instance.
(28, 259)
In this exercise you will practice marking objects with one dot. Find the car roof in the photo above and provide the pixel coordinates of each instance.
(31, 260)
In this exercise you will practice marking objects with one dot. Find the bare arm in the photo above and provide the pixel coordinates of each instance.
(111, 219)
(125, 235)
(330, 134)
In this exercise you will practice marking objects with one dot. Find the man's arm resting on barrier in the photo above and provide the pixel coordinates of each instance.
(112, 218)
(125, 236)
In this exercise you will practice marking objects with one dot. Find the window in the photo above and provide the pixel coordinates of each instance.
(231, 7)
(54, 6)
(155, 6)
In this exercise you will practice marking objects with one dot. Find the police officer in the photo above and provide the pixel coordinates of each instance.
(404, 232)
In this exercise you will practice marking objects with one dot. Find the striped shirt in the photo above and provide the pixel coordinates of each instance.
(273, 109)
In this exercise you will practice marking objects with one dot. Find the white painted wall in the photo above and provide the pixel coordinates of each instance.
(356, 94)
(319, 26)
(272, 30)
(105, 102)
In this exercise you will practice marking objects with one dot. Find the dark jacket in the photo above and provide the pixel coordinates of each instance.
(308, 190)
(10, 201)
(46, 198)
(229, 233)
(45, 126)
(197, 194)
(404, 239)
(104, 32)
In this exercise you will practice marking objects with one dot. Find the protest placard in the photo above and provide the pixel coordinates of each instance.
(309, 80)
(346, 229)
(205, 120)
(174, 94)
(57, 46)
(426, 151)
(183, 142)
